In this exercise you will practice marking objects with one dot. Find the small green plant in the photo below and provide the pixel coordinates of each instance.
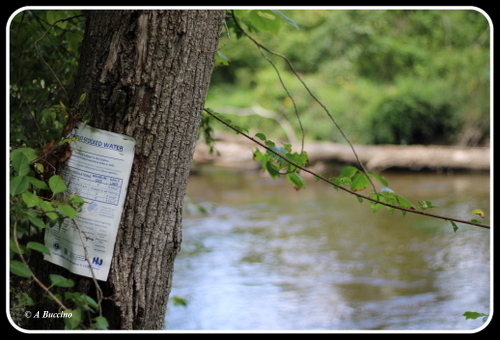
(38, 200)
(283, 165)
(475, 315)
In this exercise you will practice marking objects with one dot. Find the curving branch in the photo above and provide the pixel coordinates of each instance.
(290, 65)
(33, 276)
(319, 177)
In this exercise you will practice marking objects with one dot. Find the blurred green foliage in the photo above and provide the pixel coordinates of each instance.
(387, 76)
(35, 93)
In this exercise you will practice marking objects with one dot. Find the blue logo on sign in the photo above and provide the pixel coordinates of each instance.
(97, 261)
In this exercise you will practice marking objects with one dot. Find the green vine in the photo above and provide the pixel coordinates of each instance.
(311, 94)
(38, 194)
(35, 205)
(39, 200)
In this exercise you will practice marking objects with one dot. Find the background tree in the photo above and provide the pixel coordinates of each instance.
(145, 74)
(388, 76)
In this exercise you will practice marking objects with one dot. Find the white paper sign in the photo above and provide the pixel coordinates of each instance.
(98, 171)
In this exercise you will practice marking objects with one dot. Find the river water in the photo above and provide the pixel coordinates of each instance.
(269, 258)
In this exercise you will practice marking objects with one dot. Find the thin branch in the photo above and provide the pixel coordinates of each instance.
(98, 288)
(412, 211)
(32, 115)
(39, 54)
(310, 93)
(59, 302)
(289, 96)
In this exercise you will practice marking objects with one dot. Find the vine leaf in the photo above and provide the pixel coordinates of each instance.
(38, 247)
(261, 136)
(34, 219)
(426, 205)
(18, 185)
(60, 281)
(284, 17)
(56, 184)
(378, 197)
(221, 59)
(100, 322)
(28, 152)
(75, 319)
(296, 180)
(359, 182)
(67, 210)
(37, 183)
(356, 179)
(348, 171)
(14, 247)
(30, 199)
(265, 20)
(478, 212)
(20, 163)
(53, 17)
(48, 208)
(77, 201)
(19, 268)
(475, 315)
(380, 179)
(455, 227)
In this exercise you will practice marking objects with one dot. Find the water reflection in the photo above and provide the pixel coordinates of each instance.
(270, 258)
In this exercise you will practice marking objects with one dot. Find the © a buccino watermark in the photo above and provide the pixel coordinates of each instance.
(47, 315)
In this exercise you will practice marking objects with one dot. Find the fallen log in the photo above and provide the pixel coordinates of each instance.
(374, 157)
(412, 157)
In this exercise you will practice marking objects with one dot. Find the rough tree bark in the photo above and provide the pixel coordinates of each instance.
(146, 74)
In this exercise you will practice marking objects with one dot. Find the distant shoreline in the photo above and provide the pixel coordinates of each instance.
(238, 154)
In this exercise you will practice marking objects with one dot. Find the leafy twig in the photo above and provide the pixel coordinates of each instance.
(59, 302)
(289, 96)
(308, 91)
(320, 177)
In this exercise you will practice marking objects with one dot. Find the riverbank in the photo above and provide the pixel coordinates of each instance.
(237, 154)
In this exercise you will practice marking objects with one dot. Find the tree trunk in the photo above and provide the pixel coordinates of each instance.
(146, 74)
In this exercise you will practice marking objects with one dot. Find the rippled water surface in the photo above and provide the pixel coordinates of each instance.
(268, 257)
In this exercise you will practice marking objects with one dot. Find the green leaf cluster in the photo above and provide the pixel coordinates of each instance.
(259, 20)
(357, 180)
(391, 198)
(207, 129)
(278, 161)
(32, 83)
(83, 304)
(36, 204)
